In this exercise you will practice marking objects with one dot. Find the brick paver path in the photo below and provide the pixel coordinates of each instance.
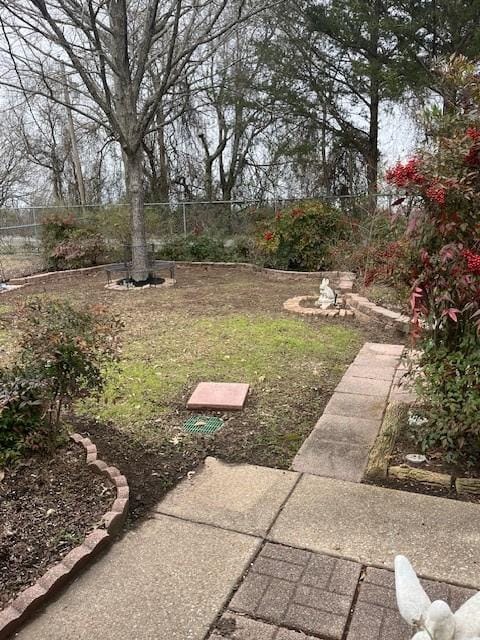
(291, 594)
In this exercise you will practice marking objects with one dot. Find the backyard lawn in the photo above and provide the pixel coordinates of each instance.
(218, 325)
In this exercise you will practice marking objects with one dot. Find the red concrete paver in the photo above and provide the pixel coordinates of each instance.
(229, 396)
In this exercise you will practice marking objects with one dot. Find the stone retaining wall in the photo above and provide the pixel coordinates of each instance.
(370, 310)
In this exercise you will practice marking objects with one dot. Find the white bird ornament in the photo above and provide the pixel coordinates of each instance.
(433, 620)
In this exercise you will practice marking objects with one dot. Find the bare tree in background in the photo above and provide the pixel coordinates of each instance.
(13, 168)
(108, 49)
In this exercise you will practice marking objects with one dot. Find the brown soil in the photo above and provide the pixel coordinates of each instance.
(425, 489)
(386, 296)
(436, 464)
(47, 507)
(152, 469)
(153, 465)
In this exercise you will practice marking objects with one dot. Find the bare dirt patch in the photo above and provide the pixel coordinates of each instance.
(47, 507)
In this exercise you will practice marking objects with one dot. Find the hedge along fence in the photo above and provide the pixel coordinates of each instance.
(181, 217)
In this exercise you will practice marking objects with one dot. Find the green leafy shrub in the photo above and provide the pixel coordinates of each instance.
(21, 410)
(299, 237)
(445, 235)
(63, 352)
(67, 245)
(450, 387)
(202, 248)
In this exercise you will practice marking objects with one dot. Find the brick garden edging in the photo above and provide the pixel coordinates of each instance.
(295, 306)
(15, 614)
(363, 307)
(343, 279)
(52, 275)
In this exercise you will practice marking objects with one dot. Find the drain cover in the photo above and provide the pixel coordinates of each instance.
(203, 424)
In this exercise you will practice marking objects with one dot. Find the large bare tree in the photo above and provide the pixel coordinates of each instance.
(106, 50)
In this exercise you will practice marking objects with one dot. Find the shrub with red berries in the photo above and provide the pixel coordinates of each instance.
(445, 298)
(299, 237)
(403, 175)
(473, 261)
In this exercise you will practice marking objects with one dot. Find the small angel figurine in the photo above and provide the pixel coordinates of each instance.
(327, 295)
(433, 620)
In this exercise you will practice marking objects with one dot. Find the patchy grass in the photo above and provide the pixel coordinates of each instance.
(15, 265)
(267, 352)
(220, 325)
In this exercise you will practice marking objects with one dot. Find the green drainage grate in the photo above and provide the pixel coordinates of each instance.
(203, 424)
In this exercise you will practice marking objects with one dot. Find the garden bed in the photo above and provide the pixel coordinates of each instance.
(47, 507)
(388, 466)
(386, 296)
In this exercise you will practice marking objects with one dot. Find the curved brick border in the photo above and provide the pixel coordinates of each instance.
(343, 279)
(295, 306)
(114, 286)
(111, 524)
(363, 307)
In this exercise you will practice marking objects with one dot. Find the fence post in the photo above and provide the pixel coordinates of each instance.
(34, 219)
(184, 219)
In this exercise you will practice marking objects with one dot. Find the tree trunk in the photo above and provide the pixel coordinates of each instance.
(77, 165)
(209, 179)
(135, 193)
(164, 177)
(374, 99)
(372, 151)
(325, 167)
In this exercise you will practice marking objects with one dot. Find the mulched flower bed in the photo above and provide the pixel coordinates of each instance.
(47, 507)
(436, 464)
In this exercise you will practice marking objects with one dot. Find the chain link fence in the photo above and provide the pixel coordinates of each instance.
(21, 228)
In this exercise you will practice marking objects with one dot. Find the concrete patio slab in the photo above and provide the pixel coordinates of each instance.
(229, 396)
(371, 524)
(166, 579)
(355, 431)
(364, 386)
(356, 406)
(243, 498)
(376, 373)
(380, 348)
(376, 360)
(332, 460)
(337, 448)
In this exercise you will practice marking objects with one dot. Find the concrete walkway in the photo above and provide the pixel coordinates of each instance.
(251, 553)
(340, 441)
(315, 543)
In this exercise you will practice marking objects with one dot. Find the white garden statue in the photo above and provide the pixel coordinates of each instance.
(327, 295)
(433, 620)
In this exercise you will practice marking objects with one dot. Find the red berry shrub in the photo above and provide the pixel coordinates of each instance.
(299, 237)
(445, 297)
